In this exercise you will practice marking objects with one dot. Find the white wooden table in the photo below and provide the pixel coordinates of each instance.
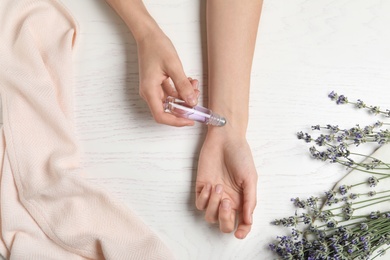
(305, 49)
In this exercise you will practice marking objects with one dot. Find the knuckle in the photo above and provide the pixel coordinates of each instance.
(224, 218)
(226, 229)
(183, 85)
(142, 96)
(204, 196)
(146, 86)
(159, 116)
(210, 219)
(173, 63)
(141, 93)
(158, 120)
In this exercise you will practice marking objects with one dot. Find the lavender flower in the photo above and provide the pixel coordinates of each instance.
(343, 189)
(353, 196)
(299, 203)
(372, 181)
(340, 231)
(360, 104)
(333, 128)
(342, 100)
(333, 96)
(375, 110)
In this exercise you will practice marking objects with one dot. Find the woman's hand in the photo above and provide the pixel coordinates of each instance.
(159, 64)
(226, 183)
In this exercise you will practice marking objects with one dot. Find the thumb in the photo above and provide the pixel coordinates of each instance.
(184, 87)
(250, 201)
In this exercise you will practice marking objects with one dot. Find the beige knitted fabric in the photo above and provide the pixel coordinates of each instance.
(48, 211)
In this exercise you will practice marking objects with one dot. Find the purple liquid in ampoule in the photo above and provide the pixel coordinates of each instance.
(200, 114)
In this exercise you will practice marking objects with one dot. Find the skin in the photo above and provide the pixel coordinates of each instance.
(226, 185)
(159, 63)
(231, 35)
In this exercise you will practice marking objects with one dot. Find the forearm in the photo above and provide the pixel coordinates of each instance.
(136, 17)
(231, 36)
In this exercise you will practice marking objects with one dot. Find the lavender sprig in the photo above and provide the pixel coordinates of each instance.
(341, 99)
(341, 231)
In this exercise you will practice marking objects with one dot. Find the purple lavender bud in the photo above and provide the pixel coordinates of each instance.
(299, 203)
(333, 128)
(332, 95)
(379, 123)
(374, 215)
(353, 196)
(343, 189)
(360, 104)
(342, 100)
(375, 110)
(363, 227)
(316, 127)
(372, 181)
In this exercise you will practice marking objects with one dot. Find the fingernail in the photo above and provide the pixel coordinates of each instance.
(251, 219)
(225, 204)
(197, 85)
(191, 100)
(239, 235)
(218, 188)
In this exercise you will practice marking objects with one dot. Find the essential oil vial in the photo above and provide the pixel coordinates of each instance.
(200, 114)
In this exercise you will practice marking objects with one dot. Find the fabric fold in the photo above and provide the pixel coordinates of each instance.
(48, 210)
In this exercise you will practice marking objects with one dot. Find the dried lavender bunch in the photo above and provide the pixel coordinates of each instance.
(336, 233)
(333, 226)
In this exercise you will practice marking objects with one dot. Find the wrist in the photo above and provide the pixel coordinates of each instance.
(236, 119)
(227, 132)
(229, 98)
(136, 17)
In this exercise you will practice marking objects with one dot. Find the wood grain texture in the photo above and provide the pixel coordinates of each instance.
(304, 50)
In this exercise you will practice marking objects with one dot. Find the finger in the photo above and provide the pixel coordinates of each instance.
(169, 119)
(183, 86)
(161, 117)
(211, 214)
(169, 89)
(226, 216)
(242, 229)
(195, 85)
(250, 200)
(203, 197)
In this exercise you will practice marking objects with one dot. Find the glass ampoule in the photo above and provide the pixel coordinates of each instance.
(200, 114)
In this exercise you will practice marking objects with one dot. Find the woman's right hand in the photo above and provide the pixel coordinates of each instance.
(159, 65)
